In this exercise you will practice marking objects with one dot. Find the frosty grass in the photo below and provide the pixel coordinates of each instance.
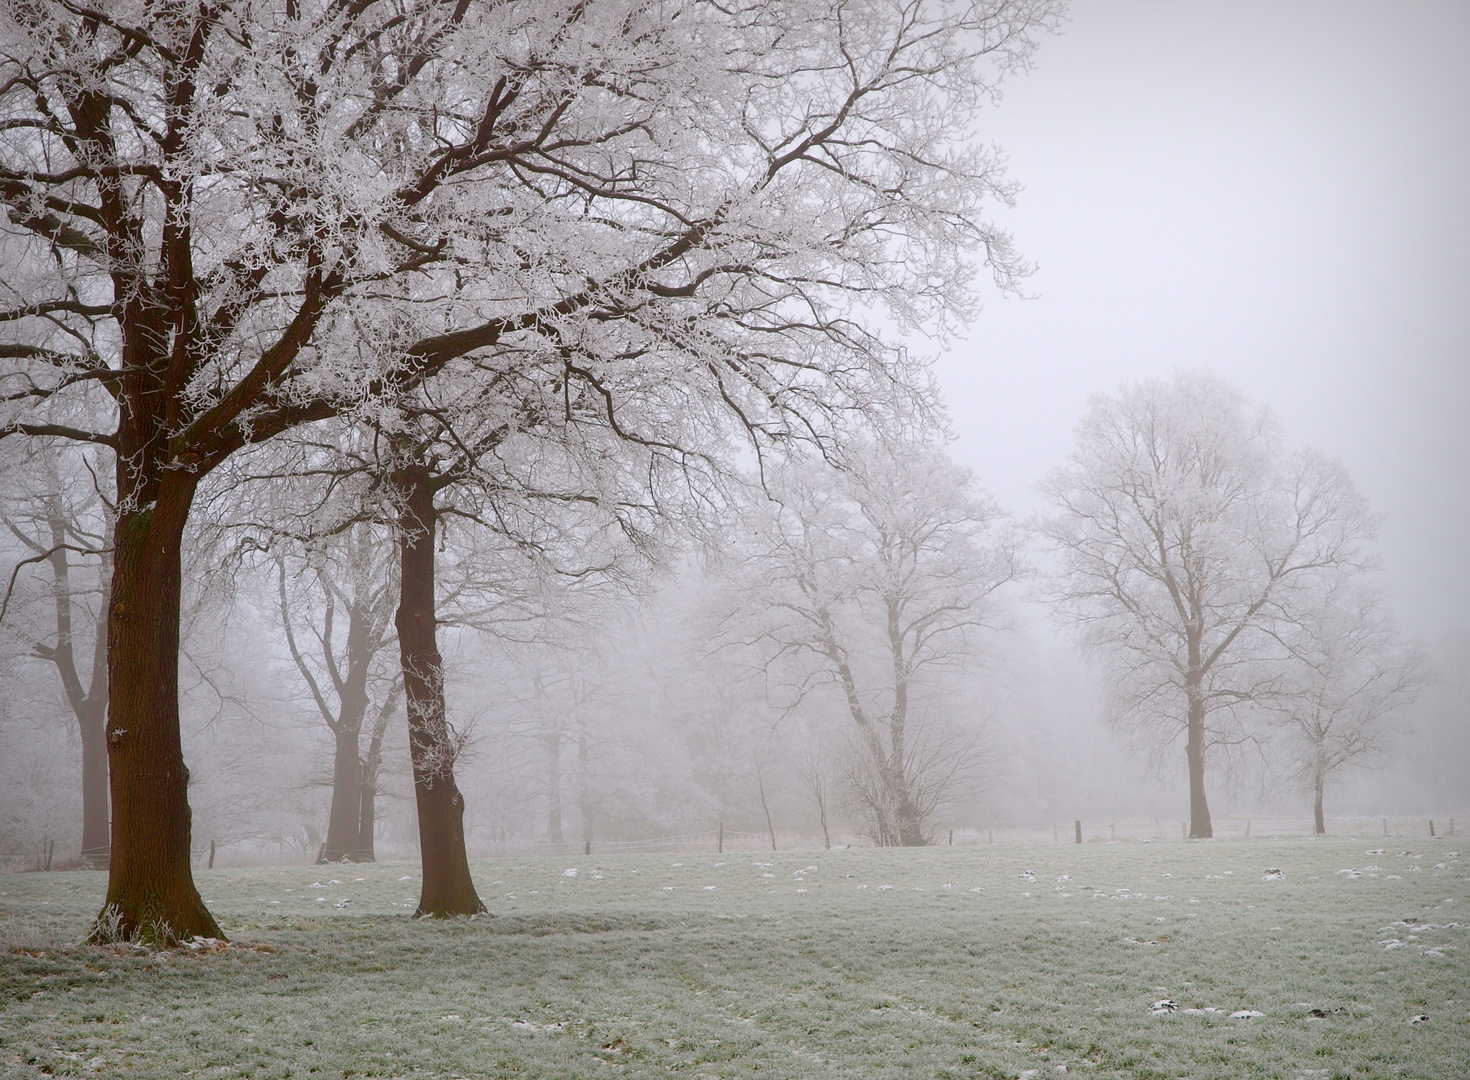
(1006, 961)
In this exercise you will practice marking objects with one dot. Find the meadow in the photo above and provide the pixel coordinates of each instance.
(1031, 961)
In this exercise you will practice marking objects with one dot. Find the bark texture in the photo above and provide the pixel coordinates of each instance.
(447, 887)
(150, 890)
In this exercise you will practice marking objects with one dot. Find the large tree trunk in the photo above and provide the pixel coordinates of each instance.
(447, 887)
(1318, 820)
(344, 823)
(150, 889)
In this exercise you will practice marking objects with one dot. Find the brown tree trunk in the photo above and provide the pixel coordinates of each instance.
(447, 888)
(150, 889)
(344, 823)
(1318, 820)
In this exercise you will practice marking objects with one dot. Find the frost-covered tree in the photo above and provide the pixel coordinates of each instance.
(873, 580)
(227, 220)
(1350, 677)
(1185, 533)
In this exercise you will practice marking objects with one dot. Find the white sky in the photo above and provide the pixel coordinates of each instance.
(1279, 192)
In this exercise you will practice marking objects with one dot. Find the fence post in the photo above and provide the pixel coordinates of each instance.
(720, 848)
(1385, 826)
(951, 838)
(1431, 828)
(211, 855)
(586, 847)
(1077, 828)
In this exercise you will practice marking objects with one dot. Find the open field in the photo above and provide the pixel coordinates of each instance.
(939, 962)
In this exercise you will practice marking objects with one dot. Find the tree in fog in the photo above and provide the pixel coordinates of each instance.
(225, 221)
(56, 506)
(1349, 679)
(873, 580)
(349, 579)
(1185, 532)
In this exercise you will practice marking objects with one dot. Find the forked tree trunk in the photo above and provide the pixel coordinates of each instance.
(447, 888)
(150, 890)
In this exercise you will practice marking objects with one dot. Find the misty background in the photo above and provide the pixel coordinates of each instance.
(1270, 193)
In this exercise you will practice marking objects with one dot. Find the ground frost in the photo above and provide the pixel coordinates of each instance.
(928, 974)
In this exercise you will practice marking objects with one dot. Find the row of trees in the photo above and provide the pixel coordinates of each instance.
(1227, 584)
(540, 266)
(834, 655)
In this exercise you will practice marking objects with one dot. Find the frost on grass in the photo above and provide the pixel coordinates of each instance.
(741, 982)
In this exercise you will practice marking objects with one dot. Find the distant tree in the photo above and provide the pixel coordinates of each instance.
(1349, 679)
(1185, 532)
(871, 580)
(348, 579)
(56, 505)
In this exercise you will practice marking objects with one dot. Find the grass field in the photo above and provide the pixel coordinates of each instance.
(939, 962)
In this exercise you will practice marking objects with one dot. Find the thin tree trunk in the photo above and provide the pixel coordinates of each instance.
(150, 888)
(1317, 818)
(760, 784)
(96, 824)
(447, 887)
(367, 817)
(552, 746)
(584, 791)
(1199, 807)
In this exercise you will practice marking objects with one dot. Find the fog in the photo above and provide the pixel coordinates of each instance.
(1271, 194)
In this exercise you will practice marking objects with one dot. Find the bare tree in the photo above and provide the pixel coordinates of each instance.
(813, 771)
(1350, 678)
(873, 579)
(59, 511)
(1185, 532)
(349, 576)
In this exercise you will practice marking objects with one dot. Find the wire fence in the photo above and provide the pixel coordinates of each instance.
(718, 840)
